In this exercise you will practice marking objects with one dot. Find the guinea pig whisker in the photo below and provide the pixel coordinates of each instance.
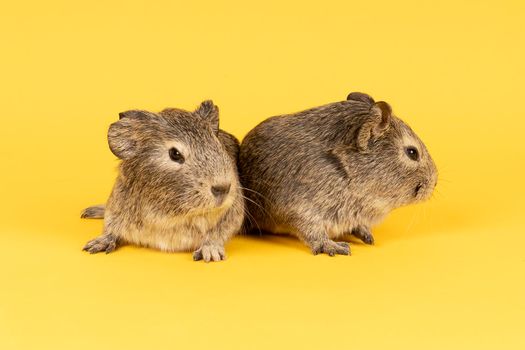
(437, 193)
(257, 204)
(257, 193)
(252, 220)
(261, 207)
(262, 182)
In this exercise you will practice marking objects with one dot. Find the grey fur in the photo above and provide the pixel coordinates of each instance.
(332, 170)
(162, 204)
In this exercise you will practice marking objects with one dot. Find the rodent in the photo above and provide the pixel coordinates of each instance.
(178, 187)
(333, 170)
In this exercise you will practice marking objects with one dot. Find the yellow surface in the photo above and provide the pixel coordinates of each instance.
(449, 274)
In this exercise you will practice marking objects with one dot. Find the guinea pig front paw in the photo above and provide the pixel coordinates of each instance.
(363, 234)
(103, 243)
(210, 252)
(330, 247)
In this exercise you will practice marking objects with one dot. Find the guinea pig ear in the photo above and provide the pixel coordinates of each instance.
(123, 135)
(375, 125)
(209, 112)
(361, 97)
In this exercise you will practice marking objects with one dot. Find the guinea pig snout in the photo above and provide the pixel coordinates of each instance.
(220, 192)
(424, 189)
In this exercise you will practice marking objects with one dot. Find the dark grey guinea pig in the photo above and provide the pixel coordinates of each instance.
(178, 187)
(333, 170)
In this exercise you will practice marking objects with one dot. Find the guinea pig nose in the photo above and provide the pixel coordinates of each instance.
(220, 190)
(418, 188)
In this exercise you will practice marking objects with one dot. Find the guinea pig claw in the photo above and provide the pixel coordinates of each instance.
(197, 255)
(209, 253)
(103, 243)
(363, 234)
(330, 247)
(368, 240)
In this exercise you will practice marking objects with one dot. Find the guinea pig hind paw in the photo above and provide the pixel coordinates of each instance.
(368, 239)
(330, 247)
(364, 235)
(104, 243)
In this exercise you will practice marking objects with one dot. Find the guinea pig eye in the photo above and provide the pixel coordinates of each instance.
(176, 156)
(412, 153)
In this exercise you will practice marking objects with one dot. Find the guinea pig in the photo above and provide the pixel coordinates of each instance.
(178, 187)
(332, 171)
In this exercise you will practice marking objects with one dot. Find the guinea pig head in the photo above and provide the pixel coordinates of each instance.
(393, 162)
(174, 159)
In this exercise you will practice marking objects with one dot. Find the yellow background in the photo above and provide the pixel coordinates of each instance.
(449, 273)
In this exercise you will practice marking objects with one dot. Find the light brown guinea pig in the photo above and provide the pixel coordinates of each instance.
(333, 170)
(177, 188)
